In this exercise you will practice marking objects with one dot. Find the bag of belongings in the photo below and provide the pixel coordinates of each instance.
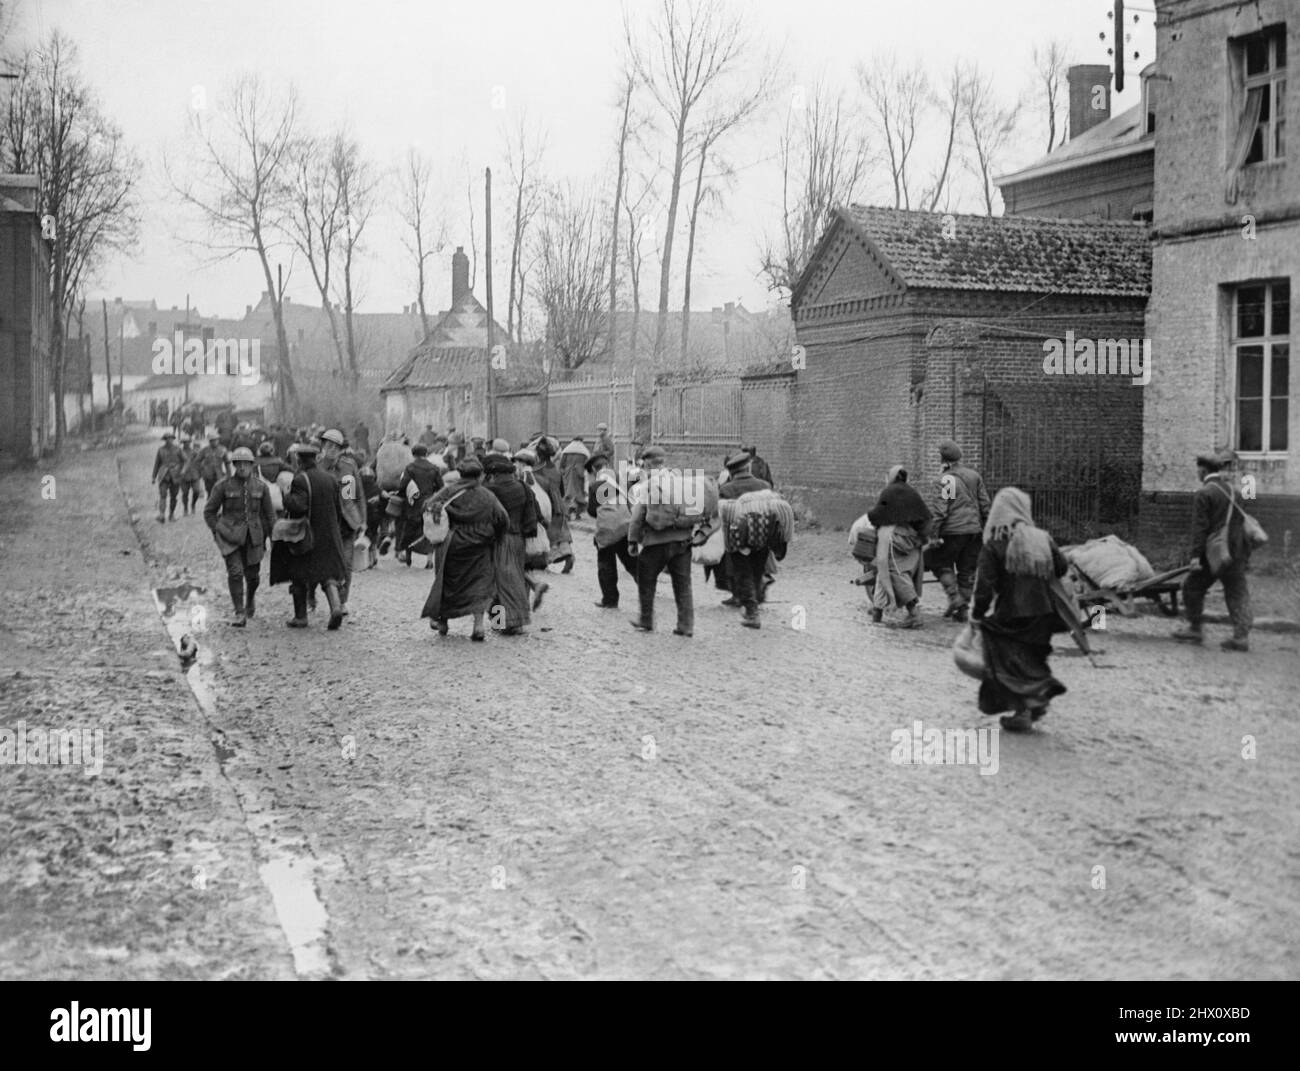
(1109, 562)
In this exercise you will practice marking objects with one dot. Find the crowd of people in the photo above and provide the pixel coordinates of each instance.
(491, 520)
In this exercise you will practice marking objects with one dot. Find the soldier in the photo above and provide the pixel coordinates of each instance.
(344, 469)
(238, 513)
(659, 542)
(168, 465)
(1216, 501)
(959, 503)
(214, 465)
(190, 476)
(604, 442)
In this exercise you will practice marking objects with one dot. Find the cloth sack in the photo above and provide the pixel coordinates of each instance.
(968, 652)
(710, 552)
(390, 462)
(277, 495)
(537, 550)
(437, 526)
(1110, 562)
(296, 531)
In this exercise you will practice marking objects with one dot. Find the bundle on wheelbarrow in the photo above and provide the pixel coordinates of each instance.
(1110, 572)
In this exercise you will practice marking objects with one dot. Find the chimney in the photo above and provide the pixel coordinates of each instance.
(459, 275)
(731, 309)
(248, 311)
(1089, 82)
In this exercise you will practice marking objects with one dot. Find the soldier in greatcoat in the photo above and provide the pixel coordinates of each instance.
(168, 465)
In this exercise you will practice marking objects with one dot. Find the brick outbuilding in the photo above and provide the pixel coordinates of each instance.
(914, 327)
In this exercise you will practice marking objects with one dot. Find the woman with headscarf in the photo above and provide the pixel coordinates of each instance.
(549, 479)
(1018, 566)
(508, 558)
(900, 516)
(534, 567)
(466, 576)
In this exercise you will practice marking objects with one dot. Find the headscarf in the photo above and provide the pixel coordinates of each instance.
(1029, 548)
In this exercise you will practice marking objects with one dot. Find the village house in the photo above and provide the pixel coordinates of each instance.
(1226, 255)
(444, 379)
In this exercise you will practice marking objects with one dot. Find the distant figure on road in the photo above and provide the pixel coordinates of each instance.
(604, 442)
(168, 465)
(214, 463)
(239, 515)
(465, 582)
(609, 505)
(1216, 501)
(900, 517)
(658, 542)
(959, 502)
(745, 567)
(190, 476)
(759, 467)
(313, 494)
(512, 589)
(1016, 567)
(573, 458)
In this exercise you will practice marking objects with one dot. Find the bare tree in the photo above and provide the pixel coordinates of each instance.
(950, 105)
(424, 231)
(634, 208)
(571, 276)
(53, 128)
(687, 65)
(990, 125)
(1051, 66)
(315, 225)
(357, 182)
(897, 100)
(240, 188)
(524, 149)
(824, 159)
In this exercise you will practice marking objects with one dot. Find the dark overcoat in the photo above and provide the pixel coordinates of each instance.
(325, 562)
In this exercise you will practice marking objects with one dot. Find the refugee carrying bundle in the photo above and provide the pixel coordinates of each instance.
(676, 499)
(710, 551)
(295, 532)
(1217, 551)
(759, 520)
(1109, 562)
(437, 526)
(390, 462)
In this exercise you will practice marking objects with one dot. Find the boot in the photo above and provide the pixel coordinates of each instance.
(1190, 633)
(750, 620)
(913, 619)
(877, 616)
(299, 619)
(1235, 644)
(236, 585)
(1019, 722)
(568, 564)
(336, 605)
(250, 587)
(960, 614)
(344, 589)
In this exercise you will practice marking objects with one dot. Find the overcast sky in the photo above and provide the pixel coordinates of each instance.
(415, 72)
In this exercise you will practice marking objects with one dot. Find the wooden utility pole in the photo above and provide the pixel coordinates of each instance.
(491, 333)
(108, 369)
(183, 334)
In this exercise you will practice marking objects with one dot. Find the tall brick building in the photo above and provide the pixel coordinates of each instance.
(1226, 253)
(917, 327)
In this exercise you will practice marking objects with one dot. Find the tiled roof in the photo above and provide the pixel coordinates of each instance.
(1016, 254)
(455, 344)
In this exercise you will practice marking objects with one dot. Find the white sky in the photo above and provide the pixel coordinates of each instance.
(404, 72)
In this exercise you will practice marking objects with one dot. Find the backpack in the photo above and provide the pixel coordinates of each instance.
(667, 505)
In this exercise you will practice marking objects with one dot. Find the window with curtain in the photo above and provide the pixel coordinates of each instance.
(1258, 118)
(1261, 347)
(1265, 72)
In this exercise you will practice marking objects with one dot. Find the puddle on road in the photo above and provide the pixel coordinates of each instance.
(302, 916)
(288, 875)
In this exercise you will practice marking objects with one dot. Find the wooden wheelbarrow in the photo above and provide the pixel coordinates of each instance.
(1156, 588)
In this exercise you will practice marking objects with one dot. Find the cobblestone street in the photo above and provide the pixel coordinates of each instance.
(588, 802)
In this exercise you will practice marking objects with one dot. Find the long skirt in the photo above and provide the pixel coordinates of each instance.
(898, 568)
(511, 587)
(465, 581)
(1015, 662)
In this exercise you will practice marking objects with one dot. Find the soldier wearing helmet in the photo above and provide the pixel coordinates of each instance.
(239, 515)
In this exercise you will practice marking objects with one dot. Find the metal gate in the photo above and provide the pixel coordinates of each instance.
(1054, 441)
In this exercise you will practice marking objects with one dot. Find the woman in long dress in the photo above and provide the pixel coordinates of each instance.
(1018, 565)
(465, 582)
(316, 495)
(508, 557)
(900, 516)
